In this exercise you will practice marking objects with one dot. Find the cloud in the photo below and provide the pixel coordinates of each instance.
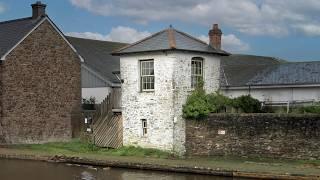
(309, 29)
(253, 17)
(2, 8)
(230, 43)
(119, 34)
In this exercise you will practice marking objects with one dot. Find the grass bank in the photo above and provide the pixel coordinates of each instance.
(77, 151)
(77, 146)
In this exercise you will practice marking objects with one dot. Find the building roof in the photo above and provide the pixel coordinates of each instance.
(11, 32)
(170, 39)
(297, 73)
(248, 70)
(97, 56)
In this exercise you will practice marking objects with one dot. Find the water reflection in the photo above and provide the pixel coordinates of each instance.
(33, 170)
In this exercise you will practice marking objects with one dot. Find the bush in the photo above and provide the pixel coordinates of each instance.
(313, 109)
(247, 104)
(196, 106)
(218, 102)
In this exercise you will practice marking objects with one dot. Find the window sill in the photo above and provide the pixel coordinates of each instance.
(147, 91)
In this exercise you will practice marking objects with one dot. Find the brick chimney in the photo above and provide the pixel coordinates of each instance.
(215, 37)
(38, 10)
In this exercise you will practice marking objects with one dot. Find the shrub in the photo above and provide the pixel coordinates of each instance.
(314, 109)
(218, 102)
(196, 105)
(247, 104)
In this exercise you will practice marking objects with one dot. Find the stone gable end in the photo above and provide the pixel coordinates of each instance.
(41, 89)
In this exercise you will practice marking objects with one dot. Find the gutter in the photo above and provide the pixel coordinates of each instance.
(268, 86)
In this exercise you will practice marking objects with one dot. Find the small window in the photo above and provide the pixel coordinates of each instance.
(147, 75)
(196, 71)
(144, 127)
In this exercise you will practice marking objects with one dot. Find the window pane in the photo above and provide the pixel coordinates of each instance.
(147, 75)
(196, 71)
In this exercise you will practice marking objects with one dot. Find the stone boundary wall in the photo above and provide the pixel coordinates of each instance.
(250, 135)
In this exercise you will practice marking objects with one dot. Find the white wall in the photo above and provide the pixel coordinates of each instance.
(279, 94)
(163, 107)
(100, 93)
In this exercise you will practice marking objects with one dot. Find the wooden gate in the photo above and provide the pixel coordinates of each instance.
(107, 122)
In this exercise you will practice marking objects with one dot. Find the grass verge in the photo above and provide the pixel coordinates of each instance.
(77, 146)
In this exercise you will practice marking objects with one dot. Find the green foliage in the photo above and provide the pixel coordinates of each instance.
(91, 100)
(312, 109)
(247, 104)
(197, 105)
(218, 102)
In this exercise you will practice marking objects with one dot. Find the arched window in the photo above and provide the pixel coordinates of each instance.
(196, 71)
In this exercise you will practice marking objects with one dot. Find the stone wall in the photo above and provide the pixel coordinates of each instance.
(162, 108)
(41, 89)
(263, 135)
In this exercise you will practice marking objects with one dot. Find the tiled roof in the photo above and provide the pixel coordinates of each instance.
(170, 39)
(11, 32)
(248, 70)
(97, 56)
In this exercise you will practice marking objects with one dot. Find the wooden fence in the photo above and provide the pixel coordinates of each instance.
(107, 125)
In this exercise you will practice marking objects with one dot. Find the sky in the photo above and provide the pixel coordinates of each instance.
(286, 29)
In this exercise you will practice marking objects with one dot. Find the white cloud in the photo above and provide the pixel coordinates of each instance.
(230, 43)
(119, 34)
(254, 17)
(2, 8)
(309, 29)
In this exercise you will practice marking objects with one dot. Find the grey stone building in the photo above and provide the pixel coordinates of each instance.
(40, 81)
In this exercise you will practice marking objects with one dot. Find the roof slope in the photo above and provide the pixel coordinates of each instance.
(97, 55)
(248, 70)
(289, 74)
(170, 39)
(11, 32)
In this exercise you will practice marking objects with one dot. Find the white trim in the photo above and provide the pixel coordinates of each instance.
(54, 26)
(271, 86)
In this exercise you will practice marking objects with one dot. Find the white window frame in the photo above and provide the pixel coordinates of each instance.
(144, 127)
(145, 76)
(196, 74)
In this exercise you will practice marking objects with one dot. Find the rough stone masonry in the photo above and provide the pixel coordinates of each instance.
(263, 135)
(40, 89)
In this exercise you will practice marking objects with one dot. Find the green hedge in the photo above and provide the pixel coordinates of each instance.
(200, 105)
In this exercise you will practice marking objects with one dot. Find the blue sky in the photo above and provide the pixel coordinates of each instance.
(288, 29)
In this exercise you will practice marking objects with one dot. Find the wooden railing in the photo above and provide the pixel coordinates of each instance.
(116, 98)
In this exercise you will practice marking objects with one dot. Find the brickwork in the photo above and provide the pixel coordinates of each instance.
(41, 89)
(275, 136)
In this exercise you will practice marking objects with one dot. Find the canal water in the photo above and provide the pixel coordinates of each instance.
(34, 170)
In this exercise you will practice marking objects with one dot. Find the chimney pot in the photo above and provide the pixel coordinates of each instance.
(38, 10)
(215, 37)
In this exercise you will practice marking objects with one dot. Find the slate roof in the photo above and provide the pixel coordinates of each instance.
(97, 55)
(289, 74)
(170, 39)
(11, 32)
(248, 70)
